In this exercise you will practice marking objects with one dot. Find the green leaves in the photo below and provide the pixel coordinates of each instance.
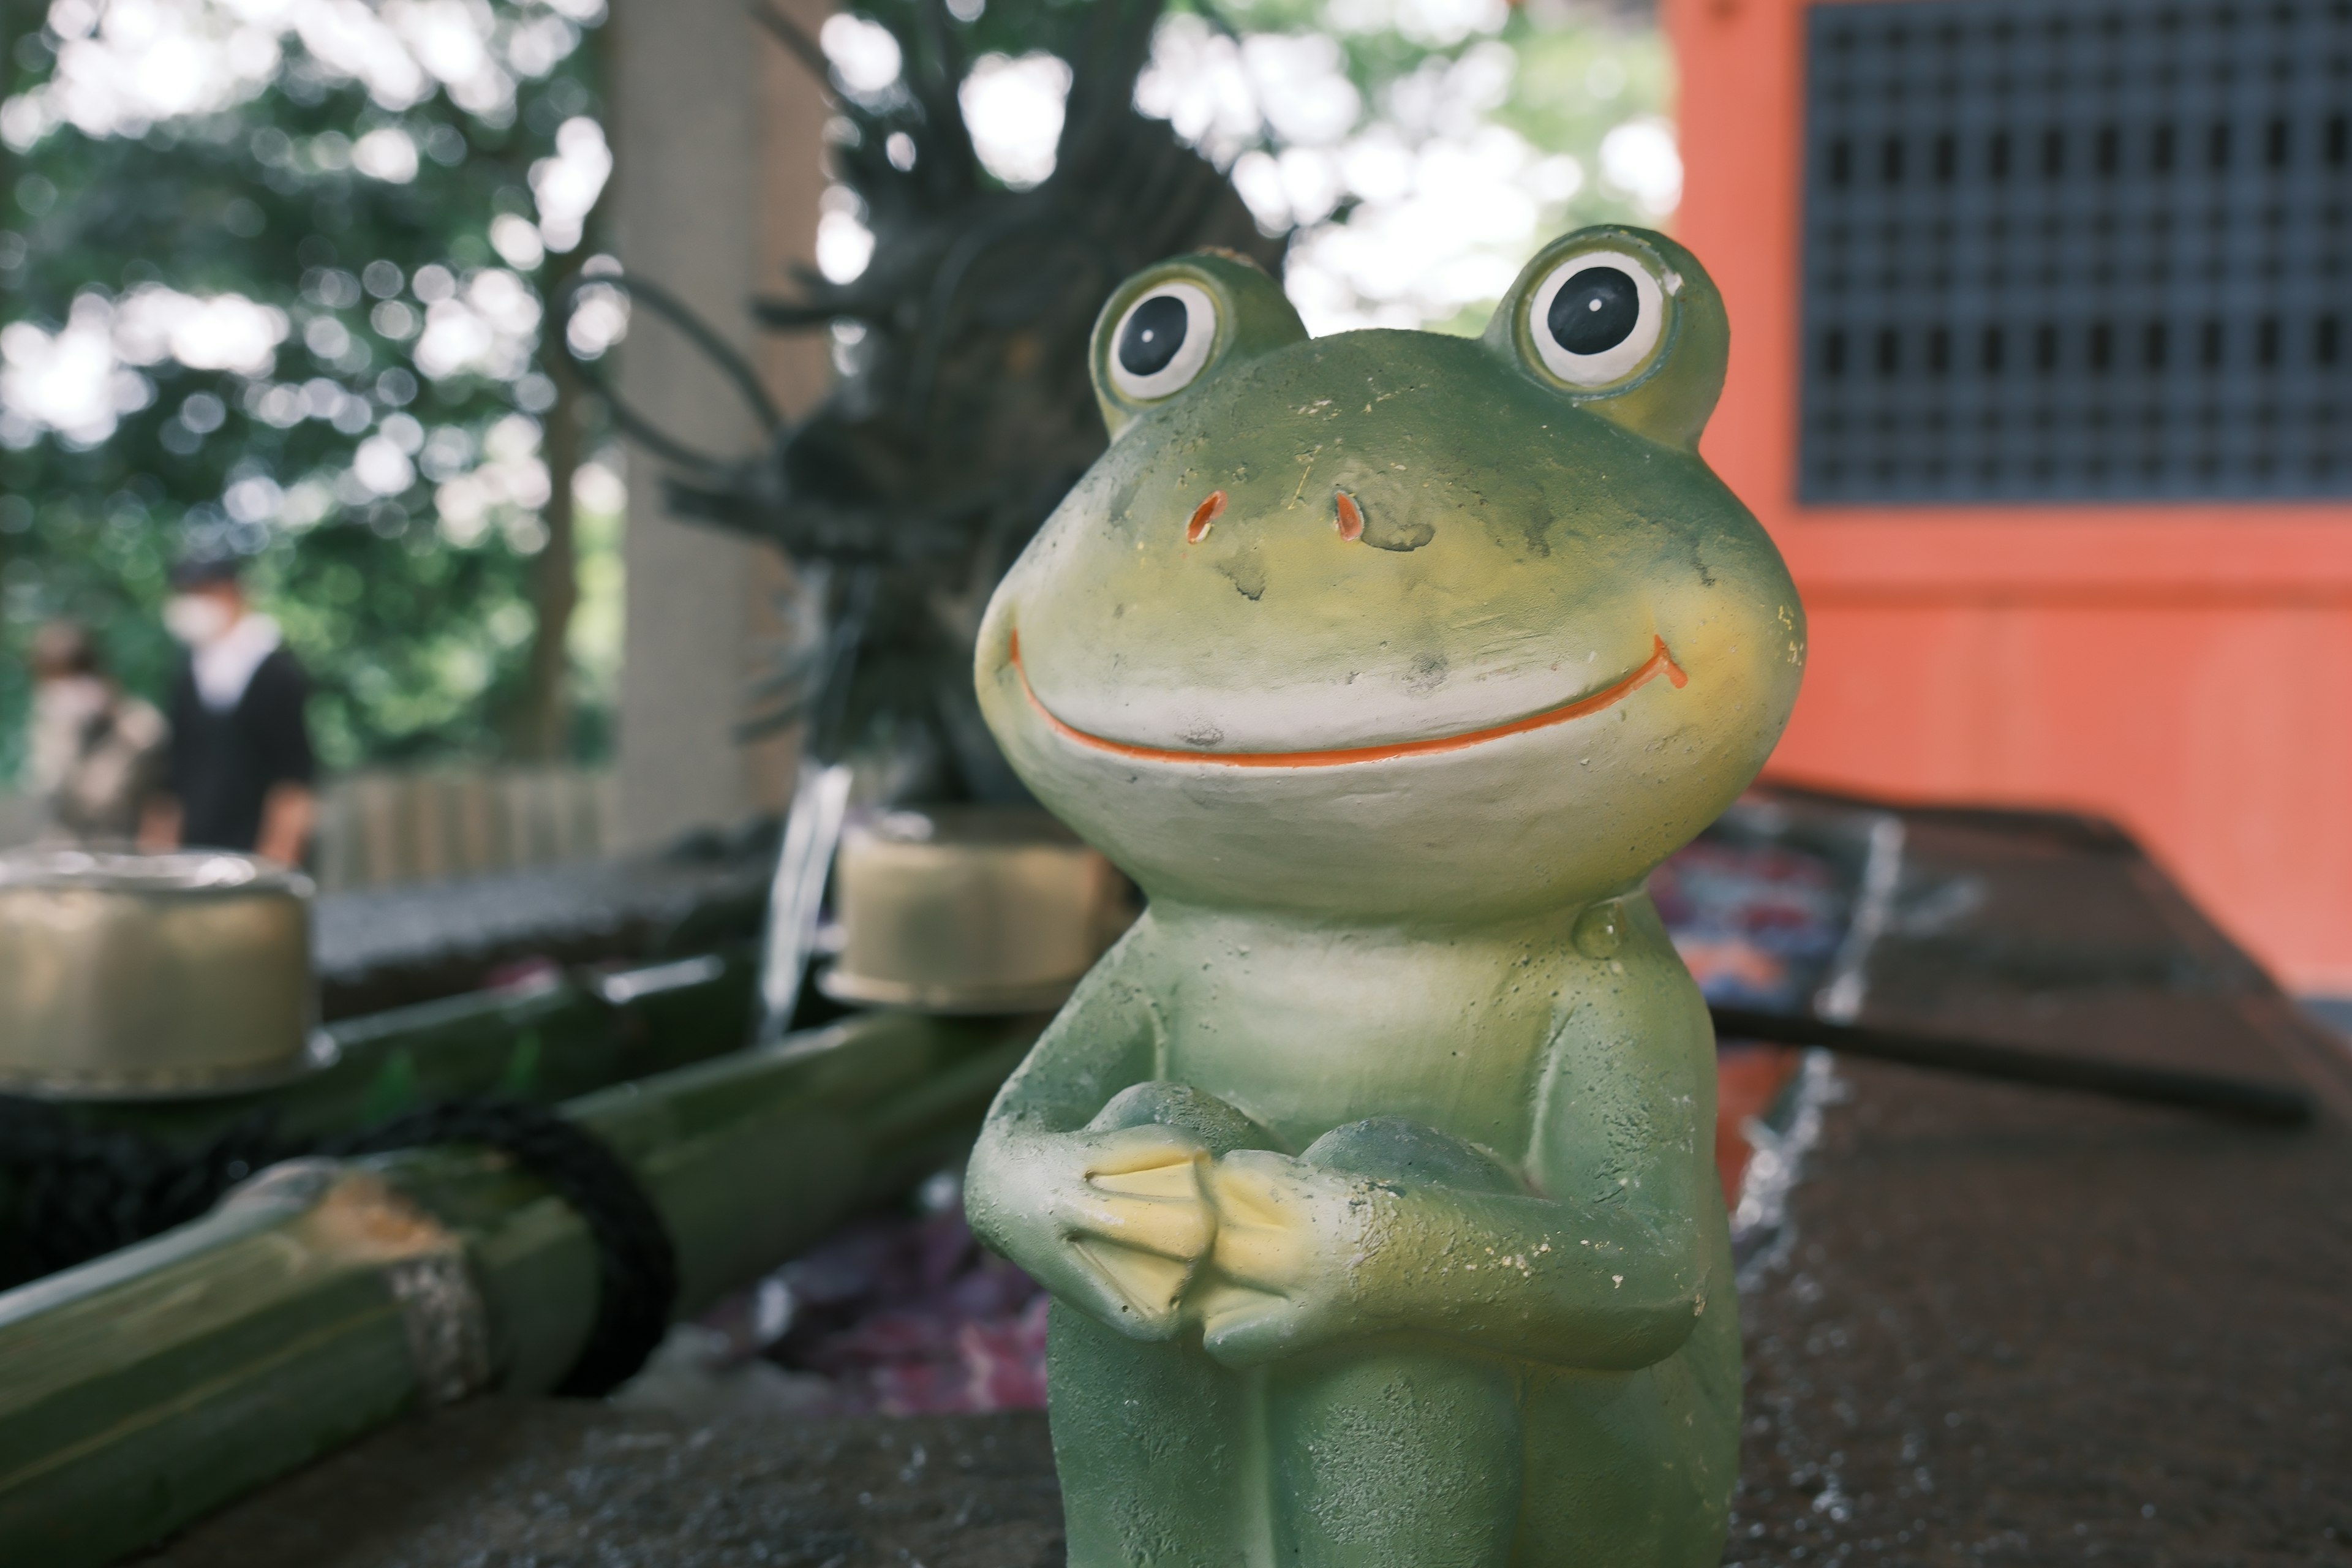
(345, 210)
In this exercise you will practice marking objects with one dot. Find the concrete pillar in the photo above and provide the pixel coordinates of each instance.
(717, 147)
(798, 369)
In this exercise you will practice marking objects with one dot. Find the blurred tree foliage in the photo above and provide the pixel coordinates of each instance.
(272, 275)
(384, 464)
(1421, 150)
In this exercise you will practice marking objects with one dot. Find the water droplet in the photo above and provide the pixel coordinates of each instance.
(1601, 930)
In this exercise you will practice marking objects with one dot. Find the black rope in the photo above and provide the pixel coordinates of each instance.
(637, 1264)
(84, 1192)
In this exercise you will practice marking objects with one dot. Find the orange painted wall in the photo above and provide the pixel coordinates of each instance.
(2185, 669)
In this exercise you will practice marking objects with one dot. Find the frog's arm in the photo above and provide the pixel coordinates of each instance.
(1606, 1266)
(1106, 1038)
(1094, 1194)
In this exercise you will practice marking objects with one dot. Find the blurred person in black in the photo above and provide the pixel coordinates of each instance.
(241, 773)
(97, 752)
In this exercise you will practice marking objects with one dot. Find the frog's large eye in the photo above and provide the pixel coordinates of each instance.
(1596, 317)
(1175, 326)
(1162, 342)
(1624, 324)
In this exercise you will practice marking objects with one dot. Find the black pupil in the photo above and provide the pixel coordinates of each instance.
(1594, 311)
(1154, 331)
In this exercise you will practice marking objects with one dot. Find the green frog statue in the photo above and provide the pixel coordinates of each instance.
(1372, 1172)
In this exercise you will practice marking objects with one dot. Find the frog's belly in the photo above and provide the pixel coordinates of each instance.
(1317, 1047)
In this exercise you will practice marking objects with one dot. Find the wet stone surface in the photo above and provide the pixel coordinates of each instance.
(2009, 1327)
(2021, 1327)
(550, 1484)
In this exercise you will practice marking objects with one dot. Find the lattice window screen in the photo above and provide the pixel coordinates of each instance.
(2077, 250)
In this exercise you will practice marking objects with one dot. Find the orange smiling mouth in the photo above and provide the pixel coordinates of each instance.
(1660, 662)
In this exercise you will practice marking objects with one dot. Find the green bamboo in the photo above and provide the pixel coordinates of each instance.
(567, 1036)
(141, 1391)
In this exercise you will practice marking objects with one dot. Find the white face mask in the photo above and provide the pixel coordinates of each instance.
(74, 699)
(196, 618)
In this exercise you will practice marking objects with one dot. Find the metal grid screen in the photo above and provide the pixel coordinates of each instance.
(2077, 250)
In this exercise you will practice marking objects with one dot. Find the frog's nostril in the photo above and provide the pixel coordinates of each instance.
(1352, 516)
(1202, 516)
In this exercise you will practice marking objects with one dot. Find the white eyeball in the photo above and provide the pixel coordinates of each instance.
(1596, 317)
(1160, 344)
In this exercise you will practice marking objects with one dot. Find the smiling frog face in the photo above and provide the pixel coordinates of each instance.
(1392, 625)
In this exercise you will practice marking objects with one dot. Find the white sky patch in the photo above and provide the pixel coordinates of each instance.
(1195, 80)
(1013, 108)
(386, 153)
(864, 56)
(844, 244)
(1447, 204)
(140, 61)
(350, 40)
(488, 327)
(505, 491)
(597, 487)
(449, 41)
(538, 45)
(566, 187)
(1439, 23)
(1302, 86)
(516, 240)
(70, 381)
(382, 466)
(79, 379)
(217, 331)
(130, 64)
(253, 498)
(600, 318)
(1640, 159)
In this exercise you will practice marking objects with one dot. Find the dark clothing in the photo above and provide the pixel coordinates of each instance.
(224, 765)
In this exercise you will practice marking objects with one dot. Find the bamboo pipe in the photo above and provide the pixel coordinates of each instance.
(569, 1036)
(325, 1299)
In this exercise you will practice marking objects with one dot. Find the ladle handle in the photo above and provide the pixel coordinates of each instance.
(2247, 1099)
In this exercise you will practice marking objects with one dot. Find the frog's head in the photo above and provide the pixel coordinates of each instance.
(1398, 625)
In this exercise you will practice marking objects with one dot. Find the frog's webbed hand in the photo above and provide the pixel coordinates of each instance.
(1112, 1221)
(1292, 1234)
(1284, 1231)
(1103, 1211)
(1097, 1194)
(1388, 1226)
(1113, 1217)
(1165, 1224)
(1138, 1219)
(1141, 1223)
